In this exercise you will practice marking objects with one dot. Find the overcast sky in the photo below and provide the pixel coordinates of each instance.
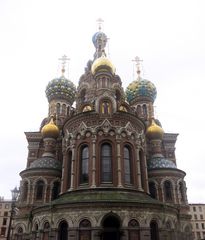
(168, 35)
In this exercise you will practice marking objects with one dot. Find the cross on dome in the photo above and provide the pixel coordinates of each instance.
(138, 61)
(64, 59)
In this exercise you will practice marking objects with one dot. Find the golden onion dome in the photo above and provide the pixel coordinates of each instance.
(102, 63)
(154, 131)
(50, 130)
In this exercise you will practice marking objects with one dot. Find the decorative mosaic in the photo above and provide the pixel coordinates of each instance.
(46, 162)
(61, 87)
(141, 88)
(160, 162)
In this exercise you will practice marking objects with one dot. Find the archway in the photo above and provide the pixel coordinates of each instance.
(111, 228)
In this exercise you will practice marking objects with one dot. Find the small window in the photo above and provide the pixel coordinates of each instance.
(168, 190)
(55, 190)
(152, 190)
(195, 216)
(5, 214)
(194, 209)
(200, 209)
(197, 226)
(4, 221)
(201, 217)
(3, 231)
(202, 225)
(106, 107)
(39, 190)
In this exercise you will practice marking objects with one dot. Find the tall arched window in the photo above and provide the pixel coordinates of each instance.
(69, 169)
(39, 189)
(127, 165)
(25, 191)
(154, 232)
(63, 231)
(85, 229)
(82, 95)
(182, 192)
(106, 163)
(144, 107)
(55, 190)
(84, 164)
(168, 191)
(64, 109)
(58, 106)
(152, 190)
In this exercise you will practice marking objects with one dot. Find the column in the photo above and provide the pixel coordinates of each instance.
(93, 161)
(139, 181)
(72, 168)
(119, 167)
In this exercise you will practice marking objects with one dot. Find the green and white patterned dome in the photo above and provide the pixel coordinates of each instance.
(61, 88)
(141, 88)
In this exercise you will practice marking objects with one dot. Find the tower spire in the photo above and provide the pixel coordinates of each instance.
(138, 61)
(64, 59)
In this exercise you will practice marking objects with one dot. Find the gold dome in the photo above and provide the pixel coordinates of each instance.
(154, 131)
(102, 63)
(50, 130)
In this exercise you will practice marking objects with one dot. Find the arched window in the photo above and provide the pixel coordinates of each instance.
(55, 190)
(144, 108)
(168, 191)
(85, 230)
(63, 231)
(69, 169)
(58, 106)
(19, 234)
(25, 191)
(139, 110)
(154, 232)
(46, 229)
(84, 164)
(118, 95)
(39, 190)
(152, 190)
(134, 230)
(106, 107)
(182, 192)
(127, 165)
(111, 228)
(106, 163)
(82, 95)
(64, 109)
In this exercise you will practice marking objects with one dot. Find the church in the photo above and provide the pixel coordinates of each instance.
(101, 167)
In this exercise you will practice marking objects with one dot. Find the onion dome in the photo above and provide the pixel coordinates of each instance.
(160, 162)
(99, 40)
(50, 130)
(154, 131)
(141, 88)
(102, 64)
(46, 162)
(61, 88)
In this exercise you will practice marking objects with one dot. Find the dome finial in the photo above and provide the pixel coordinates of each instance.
(138, 61)
(64, 59)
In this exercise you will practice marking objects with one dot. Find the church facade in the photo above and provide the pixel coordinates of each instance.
(104, 169)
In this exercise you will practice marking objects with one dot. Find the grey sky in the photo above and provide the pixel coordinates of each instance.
(168, 35)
